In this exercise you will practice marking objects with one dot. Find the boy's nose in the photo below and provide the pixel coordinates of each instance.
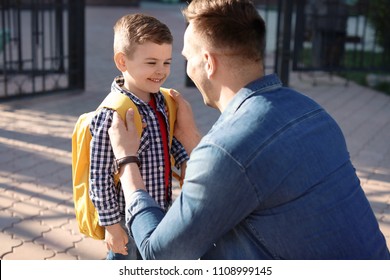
(161, 71)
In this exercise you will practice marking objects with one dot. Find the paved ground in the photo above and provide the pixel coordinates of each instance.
(36, 206)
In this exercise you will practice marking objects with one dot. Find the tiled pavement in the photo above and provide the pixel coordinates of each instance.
(36, 207)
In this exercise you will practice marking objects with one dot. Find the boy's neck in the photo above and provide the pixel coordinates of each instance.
(144, 96)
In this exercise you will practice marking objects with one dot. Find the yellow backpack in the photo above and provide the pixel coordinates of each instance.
(86, 214)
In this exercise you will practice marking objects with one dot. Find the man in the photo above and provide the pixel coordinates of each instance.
(271, 180)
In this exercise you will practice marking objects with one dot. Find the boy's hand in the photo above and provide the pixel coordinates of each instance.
(116, 239)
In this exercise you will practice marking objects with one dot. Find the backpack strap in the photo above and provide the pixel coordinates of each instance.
(171, 104)
(172, 108)
(121, 103)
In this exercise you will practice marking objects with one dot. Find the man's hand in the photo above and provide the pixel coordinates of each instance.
(125, 142)
(124, 137)
(186, 130)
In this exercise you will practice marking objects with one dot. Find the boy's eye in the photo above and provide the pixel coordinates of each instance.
(167, 63)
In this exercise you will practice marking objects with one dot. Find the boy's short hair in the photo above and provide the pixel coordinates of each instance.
(135, 29)
(233, 26)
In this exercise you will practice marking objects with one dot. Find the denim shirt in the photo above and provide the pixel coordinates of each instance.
(271, 180)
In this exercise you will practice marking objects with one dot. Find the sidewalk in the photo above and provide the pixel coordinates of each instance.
(36, 205)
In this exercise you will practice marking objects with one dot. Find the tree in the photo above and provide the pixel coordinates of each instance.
(379, 19)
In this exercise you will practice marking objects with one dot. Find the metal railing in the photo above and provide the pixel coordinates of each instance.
(41, 46)
(337, 36)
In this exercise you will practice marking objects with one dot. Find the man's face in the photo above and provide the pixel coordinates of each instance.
(148, 68)
(192, 51)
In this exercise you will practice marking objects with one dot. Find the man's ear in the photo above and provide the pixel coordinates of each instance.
(120, 61)
(211, 63)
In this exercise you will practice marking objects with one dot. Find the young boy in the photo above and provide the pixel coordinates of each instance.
(143, 53)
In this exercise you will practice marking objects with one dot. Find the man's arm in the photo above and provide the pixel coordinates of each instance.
(120, 134)
(216, 196)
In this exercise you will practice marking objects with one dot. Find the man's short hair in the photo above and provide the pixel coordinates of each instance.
(232, 26)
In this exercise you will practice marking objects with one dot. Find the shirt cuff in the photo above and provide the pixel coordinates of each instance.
(109, 217)
(139, 201)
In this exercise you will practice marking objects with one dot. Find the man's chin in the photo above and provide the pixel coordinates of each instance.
(209, 104)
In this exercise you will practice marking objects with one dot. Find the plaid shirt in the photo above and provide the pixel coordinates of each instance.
(108, 199)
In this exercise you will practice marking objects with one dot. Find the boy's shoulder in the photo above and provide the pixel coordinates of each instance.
(100, 118)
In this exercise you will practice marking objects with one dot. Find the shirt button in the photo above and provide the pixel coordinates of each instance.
(161, 168)
(158, 139)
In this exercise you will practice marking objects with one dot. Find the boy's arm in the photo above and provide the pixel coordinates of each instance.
(103, 192)
(102, 188)
(179, 153)
(181, 157)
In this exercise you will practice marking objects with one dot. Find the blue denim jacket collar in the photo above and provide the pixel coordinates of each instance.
(263, 84)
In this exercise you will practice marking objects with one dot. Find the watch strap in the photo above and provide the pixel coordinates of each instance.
(118, 163)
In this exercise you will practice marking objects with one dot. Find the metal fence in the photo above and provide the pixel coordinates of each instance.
(41, 46)
(340, 35)
(42, 41)
(332, 36)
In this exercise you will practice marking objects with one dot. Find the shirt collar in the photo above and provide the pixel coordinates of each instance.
(117, 85)
(261, 85)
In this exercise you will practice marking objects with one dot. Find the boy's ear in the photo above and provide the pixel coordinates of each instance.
(120, 62)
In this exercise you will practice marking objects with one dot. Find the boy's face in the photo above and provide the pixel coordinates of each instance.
(148, 68)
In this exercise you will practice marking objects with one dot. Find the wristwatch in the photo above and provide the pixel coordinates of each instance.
(118, 163)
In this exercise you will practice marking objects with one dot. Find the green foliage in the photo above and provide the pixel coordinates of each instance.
(361, 79)
(379, 19)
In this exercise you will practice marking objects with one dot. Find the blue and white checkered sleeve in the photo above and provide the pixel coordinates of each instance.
(179, 153)
(102, 188)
